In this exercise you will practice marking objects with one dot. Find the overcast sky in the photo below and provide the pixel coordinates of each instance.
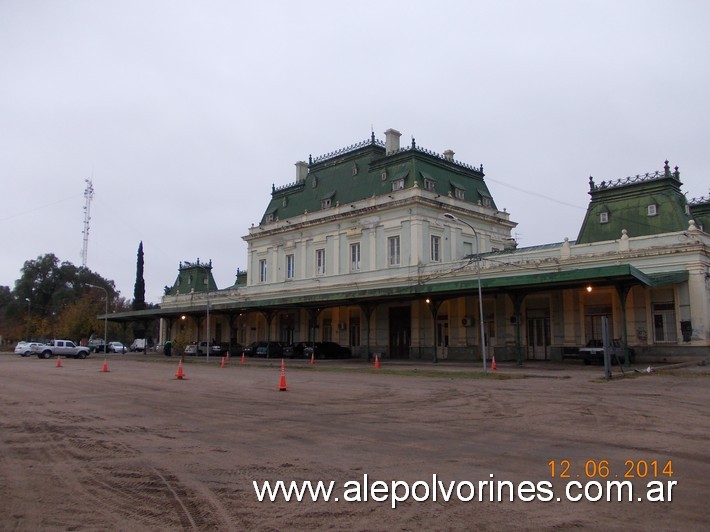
(185, 113)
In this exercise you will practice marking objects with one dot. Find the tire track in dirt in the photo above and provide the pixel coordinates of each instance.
(102, 480)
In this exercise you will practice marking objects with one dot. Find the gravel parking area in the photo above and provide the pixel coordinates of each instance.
(135, 448)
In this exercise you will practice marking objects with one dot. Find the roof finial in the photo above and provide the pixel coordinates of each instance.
(310, 159)
(676, 174)
(372, 134)
(414, 143)
(667, 169)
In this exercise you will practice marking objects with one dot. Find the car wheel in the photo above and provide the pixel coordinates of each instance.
(81, 355)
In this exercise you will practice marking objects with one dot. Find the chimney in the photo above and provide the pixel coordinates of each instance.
(301, 171)
(392, 140)
(449, 155)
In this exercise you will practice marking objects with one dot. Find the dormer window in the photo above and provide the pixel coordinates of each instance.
(397, 184)
(652, 210)
(354, 169)
(459, 193)
(269, 218)
(603, 217)
(486, 201)
(384, 175)
(429, 184)
(326, 201)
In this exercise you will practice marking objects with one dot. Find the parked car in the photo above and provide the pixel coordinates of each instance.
(215, 349)
(301, 350)
(250, 350)
(593, 352)
(96, 345)
(116, 347)
(270, 349)
(25, 348)
(191, 349)
(331, 350)
(320, 350)
(65, 348)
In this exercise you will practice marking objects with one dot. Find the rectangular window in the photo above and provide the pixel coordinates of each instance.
(397, 184)
(393, 250)
(435, 248)
(320, 261)
(262, 271)
(459, 193)
(290, 267)
(603, 217)
(652, 211)
(325, 204)
(355, 257)
(429, 184)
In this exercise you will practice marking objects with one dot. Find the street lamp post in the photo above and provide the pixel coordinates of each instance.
(480, 294)
(105, 316)
(207, 323)
(29, 317)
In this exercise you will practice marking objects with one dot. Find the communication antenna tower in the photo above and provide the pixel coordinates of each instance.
(88, 196)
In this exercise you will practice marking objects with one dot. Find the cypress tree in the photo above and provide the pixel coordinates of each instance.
(139, 288)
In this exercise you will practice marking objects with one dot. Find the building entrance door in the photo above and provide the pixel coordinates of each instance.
(400, 320)
(538, 338)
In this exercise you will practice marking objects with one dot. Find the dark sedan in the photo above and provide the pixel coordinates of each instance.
(332, 350)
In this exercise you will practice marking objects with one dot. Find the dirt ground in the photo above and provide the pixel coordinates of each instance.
(135, 448)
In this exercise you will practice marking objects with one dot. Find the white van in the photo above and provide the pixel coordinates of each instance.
(138, 345)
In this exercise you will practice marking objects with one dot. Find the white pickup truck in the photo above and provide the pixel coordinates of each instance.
(64, 348)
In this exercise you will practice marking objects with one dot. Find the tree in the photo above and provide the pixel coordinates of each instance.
(139, 288)
(55, 293)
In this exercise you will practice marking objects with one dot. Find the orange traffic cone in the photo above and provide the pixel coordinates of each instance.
(180, 375)
(222, 365)
(59, 362)
(282, 383)
(104, 369)
(377, 362)
(242, 357)
(493, 364)
(227, 356)
(313, 358)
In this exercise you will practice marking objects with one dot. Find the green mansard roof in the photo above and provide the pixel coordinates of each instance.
(365, 169)
(642, 205)
(193, 277)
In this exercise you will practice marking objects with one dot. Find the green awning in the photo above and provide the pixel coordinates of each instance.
(624, 274)
(668, 278)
